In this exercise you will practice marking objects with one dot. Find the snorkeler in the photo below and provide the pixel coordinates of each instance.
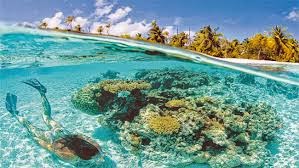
(76, 149)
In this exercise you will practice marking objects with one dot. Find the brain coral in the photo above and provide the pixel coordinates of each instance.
(164, 124)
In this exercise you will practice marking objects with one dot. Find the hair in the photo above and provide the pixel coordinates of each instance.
(81, 147)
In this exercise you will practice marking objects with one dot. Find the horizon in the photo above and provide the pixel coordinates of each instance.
(234, 18)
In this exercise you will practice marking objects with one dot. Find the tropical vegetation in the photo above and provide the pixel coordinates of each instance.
(275, 45)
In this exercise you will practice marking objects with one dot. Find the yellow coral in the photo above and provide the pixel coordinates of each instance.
(164, 124)
(115, 86)
(176, 103)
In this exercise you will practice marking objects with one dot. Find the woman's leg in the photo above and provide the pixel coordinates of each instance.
(56, 129)
(37, 134)
(52, 124)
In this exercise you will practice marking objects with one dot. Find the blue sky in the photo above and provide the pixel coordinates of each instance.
(235, 18)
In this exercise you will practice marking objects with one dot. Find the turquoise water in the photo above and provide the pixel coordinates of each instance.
(65, 63)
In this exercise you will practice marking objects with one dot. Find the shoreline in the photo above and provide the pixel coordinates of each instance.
(256, 62)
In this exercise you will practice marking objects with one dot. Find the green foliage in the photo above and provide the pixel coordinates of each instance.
(100, 29)
(138, 36)
(277, 45)
(156, 34)
(207, 41)
(78, 28)
(179, 40)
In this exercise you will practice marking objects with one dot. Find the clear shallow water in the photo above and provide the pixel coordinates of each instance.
(65, 64)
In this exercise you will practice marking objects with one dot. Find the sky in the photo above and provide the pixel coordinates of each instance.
(235, 18)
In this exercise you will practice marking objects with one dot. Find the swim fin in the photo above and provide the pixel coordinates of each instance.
(36, 84)
(11, 104)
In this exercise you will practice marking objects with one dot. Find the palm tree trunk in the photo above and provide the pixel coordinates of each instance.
(258, 56)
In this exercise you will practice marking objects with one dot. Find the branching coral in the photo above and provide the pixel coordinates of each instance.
(164, 124)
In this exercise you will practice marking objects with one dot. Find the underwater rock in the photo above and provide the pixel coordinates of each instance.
(152, 52)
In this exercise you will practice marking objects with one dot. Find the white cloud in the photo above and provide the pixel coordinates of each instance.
(192, 33)
(124, 27)
(80, 21)
(130, 27)
(120, 22)
(293, 15)
(119, 14)
(100, 3)
(55, 21)
(103, 10)
(95, 25)
(178, 21)
(170, 29)
(77, 12)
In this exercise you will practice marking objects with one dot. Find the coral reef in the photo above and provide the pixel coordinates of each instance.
(209, 132)
(176, 103)
(86, 99)
(163, 113)
(164, 124)
(115, 86)
(99, 97)
(179, 78)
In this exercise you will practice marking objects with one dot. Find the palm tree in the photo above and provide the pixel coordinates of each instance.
(138, 36)
(179, 40)
(108, 26)
(207, 41)
(293, 54)
(100, 30)
(69, 20)
(78, 28)
(156, 34)
(166, 35)
(257, 47)
(281, 39)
